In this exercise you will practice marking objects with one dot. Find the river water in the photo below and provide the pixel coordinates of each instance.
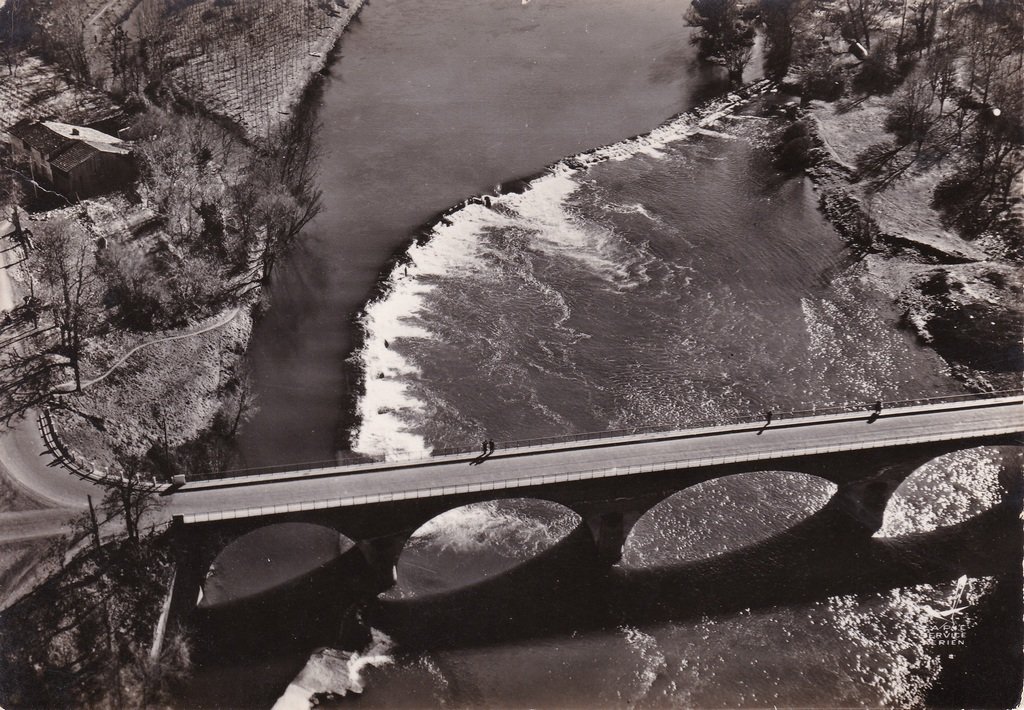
(431, 103)
(676, 282)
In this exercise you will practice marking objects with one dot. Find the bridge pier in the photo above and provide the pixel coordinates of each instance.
(610, 530)
(381, 554)
(865, 500)
(863, 503)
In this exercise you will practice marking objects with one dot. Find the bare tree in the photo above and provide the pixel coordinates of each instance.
(925, 20)
(65, 39)
(18, 29)
(131, 498)
(274, 212)
(781, 22)
(63, 260)
(723, 33)
(864, 18)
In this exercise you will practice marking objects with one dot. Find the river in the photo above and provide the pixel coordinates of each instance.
(431, 103)
(682, 282)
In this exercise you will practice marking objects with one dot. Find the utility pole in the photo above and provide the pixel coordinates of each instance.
(95, 524)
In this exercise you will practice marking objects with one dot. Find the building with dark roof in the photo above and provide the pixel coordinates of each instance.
(80, 162)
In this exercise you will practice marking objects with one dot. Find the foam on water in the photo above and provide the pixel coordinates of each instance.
(632, 208)
(945, 491)
(459, 249)
(652, 664)
(387, 406)
(544, 211)
(516, 528)
(332, 672)
(456, 246)
(677, 129)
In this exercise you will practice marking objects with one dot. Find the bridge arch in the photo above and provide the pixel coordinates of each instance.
(270, 559)
(722, 514)
(256, 584)
(952, 488)
(475, 542)
(509, 563)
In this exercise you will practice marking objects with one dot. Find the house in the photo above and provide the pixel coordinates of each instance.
(78, 161)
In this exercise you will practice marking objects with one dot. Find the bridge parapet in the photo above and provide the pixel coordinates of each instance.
(780, 458)
(361, 463)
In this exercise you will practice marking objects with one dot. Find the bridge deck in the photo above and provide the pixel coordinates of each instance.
(621, 456)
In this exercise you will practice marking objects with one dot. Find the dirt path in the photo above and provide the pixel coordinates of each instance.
(217, 323)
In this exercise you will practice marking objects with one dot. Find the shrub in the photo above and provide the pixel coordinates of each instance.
(795, 155)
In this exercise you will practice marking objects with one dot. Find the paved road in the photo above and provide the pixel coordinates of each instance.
(26, 469)
(347, 485)
(34, 524)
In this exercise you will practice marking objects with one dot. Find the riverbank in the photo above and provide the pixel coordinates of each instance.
(961, 298)
(145, 391)
(256, 59)
(156, 392)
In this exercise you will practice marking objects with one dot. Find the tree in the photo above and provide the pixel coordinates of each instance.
(723, 33)
(130, 498)
(941, 69)
(27, 376)
(63, 260)
(82, 637)
(925, 19)
(273, 212)
(781, 19)
(863, 19)
(64, 39)
(981, 192)
(911, 118)
(18, 28)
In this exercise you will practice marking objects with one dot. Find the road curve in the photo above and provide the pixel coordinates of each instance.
(23, 461)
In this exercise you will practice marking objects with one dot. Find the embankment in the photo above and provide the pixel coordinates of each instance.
(167, 391)
(961, 298)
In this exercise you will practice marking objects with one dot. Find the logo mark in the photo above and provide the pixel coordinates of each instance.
(949, 614)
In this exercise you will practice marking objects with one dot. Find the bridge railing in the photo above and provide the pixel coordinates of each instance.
(546, 479)
(353, 459)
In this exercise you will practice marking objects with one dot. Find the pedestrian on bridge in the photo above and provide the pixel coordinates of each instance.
(485, 451)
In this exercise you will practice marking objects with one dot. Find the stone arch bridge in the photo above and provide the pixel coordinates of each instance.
(610, 482)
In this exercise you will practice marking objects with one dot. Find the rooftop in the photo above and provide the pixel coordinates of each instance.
(77, 154)
(81, 133)
(40, 137)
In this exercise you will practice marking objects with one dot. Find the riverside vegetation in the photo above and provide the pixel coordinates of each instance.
(175, 263)
(215, 206)
(912, 128)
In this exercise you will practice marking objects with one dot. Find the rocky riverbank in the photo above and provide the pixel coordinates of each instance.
(962, 298)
